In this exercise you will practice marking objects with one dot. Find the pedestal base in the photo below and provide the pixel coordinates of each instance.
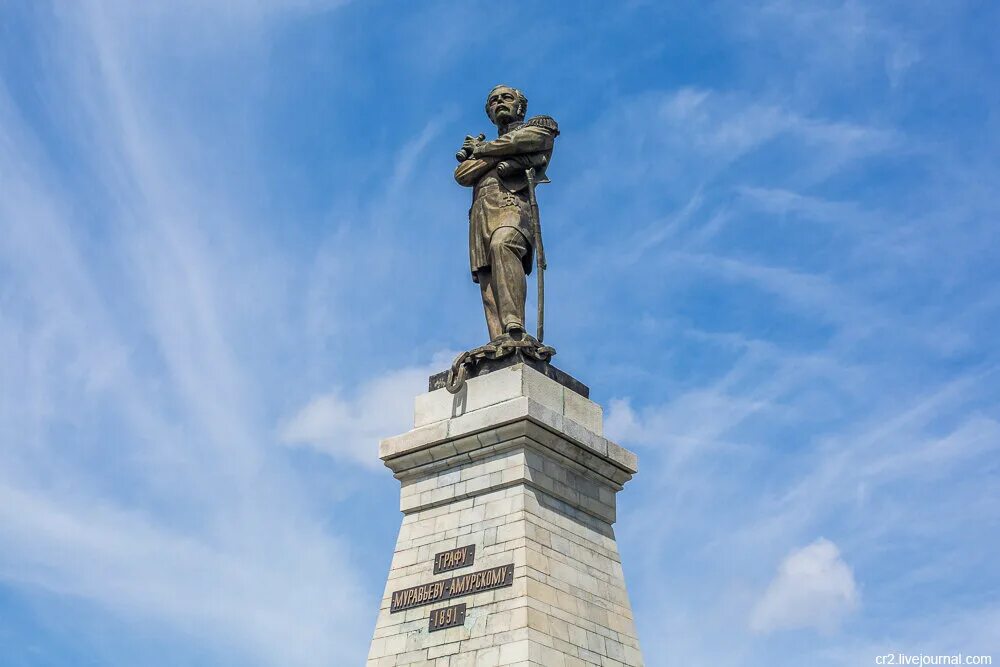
(518, 470)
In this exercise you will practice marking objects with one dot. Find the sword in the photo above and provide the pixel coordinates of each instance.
(536, 229)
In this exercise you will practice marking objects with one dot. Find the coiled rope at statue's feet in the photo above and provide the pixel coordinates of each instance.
(498, 348)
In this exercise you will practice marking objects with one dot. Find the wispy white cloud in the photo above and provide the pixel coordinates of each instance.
(138, 473)
(277, 604)
(766, 457)
(814, 588)
(349, 425)
(726, 125)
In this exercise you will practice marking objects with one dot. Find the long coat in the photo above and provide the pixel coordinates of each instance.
(502, 201)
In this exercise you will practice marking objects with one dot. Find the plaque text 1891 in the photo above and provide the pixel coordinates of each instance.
(449, 617)
(463, 584)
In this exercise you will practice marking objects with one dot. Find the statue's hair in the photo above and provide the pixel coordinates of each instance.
(521, 99)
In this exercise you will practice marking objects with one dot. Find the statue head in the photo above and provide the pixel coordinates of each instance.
(506, 105)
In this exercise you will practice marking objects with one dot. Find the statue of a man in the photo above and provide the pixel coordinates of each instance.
(501, 239)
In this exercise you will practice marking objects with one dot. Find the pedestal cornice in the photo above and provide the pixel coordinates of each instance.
(491, 402)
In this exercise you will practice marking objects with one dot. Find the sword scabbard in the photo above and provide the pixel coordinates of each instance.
(536, 229)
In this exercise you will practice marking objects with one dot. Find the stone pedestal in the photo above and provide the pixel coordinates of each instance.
(508, 493)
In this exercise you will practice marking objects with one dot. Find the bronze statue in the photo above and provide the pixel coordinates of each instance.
(504, 229)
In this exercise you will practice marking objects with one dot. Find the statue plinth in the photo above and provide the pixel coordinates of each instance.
(485, 365)
(506, 554)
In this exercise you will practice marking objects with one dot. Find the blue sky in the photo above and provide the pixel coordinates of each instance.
(231, 251)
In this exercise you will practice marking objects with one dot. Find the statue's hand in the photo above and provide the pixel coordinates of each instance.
(468, 146)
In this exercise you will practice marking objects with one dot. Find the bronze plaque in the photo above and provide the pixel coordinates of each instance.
(463, 584)
(454, 559)
(449, 617)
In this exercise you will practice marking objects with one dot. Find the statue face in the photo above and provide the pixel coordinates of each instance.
(503, 107)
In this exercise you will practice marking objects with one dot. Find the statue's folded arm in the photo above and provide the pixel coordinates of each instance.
(469, 172)
(528, 139)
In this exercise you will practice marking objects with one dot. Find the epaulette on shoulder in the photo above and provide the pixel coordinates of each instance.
(547, 122)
